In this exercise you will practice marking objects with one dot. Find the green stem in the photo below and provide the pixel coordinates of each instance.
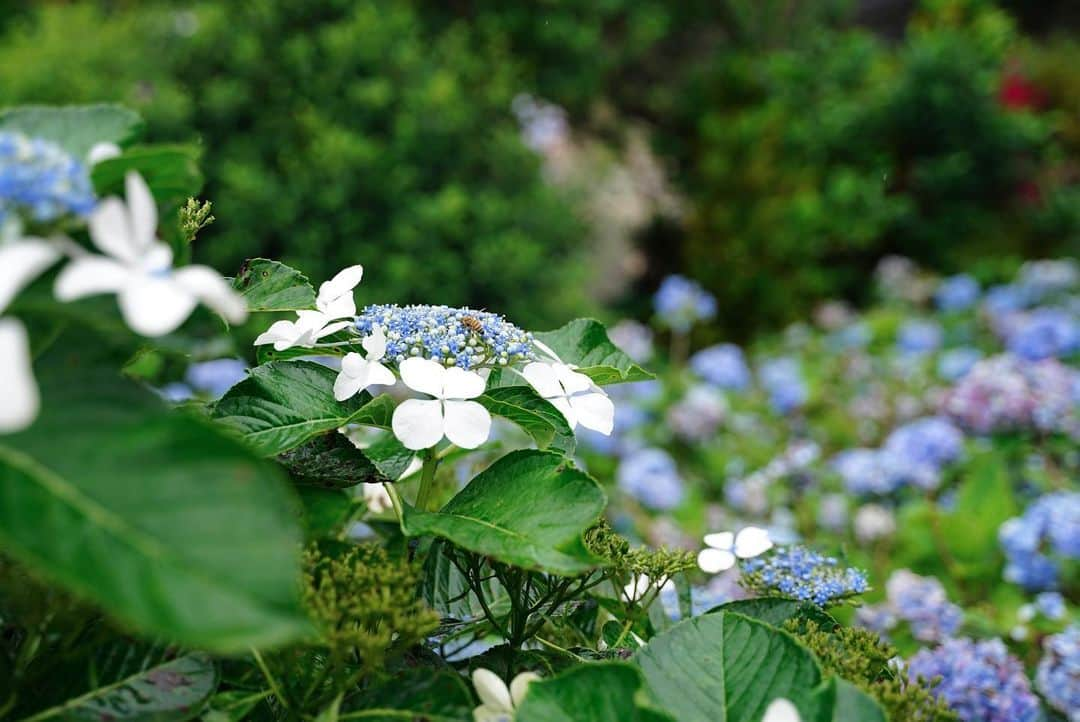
(427, 480)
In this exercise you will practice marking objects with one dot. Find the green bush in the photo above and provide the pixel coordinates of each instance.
(335, 132)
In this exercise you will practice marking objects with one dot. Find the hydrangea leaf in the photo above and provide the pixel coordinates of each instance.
(76, 128)
(777, 610)
(534, 414)
(414, 694)
(446, 590)
(325, 510)
(528, 509)
(272, 286)
(584, 343)
(726, 668)
(599, 692)
(148, 494)
(331, 461)
(175, 690)
(282, 404)
(171, 171)
(838, 700)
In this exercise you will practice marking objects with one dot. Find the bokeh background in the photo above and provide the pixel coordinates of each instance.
(558, 158)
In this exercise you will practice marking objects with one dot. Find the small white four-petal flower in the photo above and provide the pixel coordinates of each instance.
(357, 373)
(781, 710)
(572, 393)
(335, 301)
(497, 701)
(422, 423)
(20, 393)
(154, 298)
(725, 547)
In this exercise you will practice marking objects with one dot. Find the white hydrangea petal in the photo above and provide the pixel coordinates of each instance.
(547, 350)
(17, 385)
(461, 384)
(781, 710)
(520, 685)
(335, 297)
(102, 151)
(721, 540)
(751, 541)
(491, 690)
(353, 364)
(155, 306)
(21, 262)
(91, 275)
(423, 375)
(208, 286)
(330, 329)
(111, 231)
(541, 376)
(347, 385)
(594, 411)
(375, 344)
(563, 405)
(571, 380)
(714, 561)
(418, 423)
(380, 375)
(280, 332)
(466, 423)
(143, 210)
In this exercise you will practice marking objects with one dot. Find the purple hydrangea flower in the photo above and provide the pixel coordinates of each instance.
(1049, 529)
(1058, 674)
(215, 377)
(922, 603)
(957, 293)
(919, 336)
(651, 476)
(1043, 333)
(40, 181)
(956, 362)
(723, 366)
(680, 303)
(782, 379)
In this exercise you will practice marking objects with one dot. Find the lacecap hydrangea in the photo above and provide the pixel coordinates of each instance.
(461, 337)
(40, 182)
(980, 681)
(1034, 543)
(803, 574)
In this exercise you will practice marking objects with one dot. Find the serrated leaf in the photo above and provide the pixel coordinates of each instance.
(534, 414)
(76, 128)
(272, 286)
(330, 460)
(156, 516)
(282, 404)
(584, 343)
(726, 668)
(171, 171)
(528, 509)
(599, 692)
(777, 610)
(176, 690)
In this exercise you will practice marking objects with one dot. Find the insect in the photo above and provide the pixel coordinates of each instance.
(472, 323)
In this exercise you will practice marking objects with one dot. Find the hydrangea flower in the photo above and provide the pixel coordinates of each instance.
(41, 182)
(358, 372)
(422, 423)
(20, 392)
(574, 394)
(724, 548)
(781, 710)
(650, 476)
(866, 471)
(1000, 301)
(918, 450)
(873, 522)
(460, 337)
(782, 379)
(956, 362)
(722, 365)
(497, 701)
(923, 604)
(154, 297)
(1046, 332)
(634, 338)
(803, 574)
(981, 681)
(1058, 674)
(215, 377)
(919, 336)
(334, 303)
(680, 303)
(1006, 393)
(698, 414)
(1048, 528)
(957, 293)
(1048, 277)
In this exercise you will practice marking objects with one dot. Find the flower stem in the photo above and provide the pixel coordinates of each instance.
(427, 480)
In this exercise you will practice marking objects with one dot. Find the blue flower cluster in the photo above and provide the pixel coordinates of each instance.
(1051, 525)
(680, 303)
(1046, 332)
(651, 476)
(957, 293)
(913, 455)
(40, 182)
(981, 681)
(1058, 675)
(722, 365)
(803, 574)
(919, 336)
(922, 603)
(458, 337)
(783, 380)
(956, 362)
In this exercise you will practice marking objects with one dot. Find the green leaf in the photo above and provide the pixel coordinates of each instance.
(77, 128)
(725, 668)
(272, 286)
(166, 523)
(330, 460)
(282, 404)
(389, 456)
(446, 590)
(584, 343)
(777, 610)
(838, 700)
(528, 509)
(983, 502)
(432, 695)
(325, 510)
(534, 414)
(176, 690)
(599, 692)
(171, 171)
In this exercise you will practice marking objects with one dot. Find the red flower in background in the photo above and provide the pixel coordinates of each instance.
(1017, 92)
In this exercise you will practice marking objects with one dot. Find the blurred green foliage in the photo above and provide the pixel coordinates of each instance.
(338, 131)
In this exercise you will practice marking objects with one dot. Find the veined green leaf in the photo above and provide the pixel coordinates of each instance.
(272, 286)
(76, 128)
(584, 343)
